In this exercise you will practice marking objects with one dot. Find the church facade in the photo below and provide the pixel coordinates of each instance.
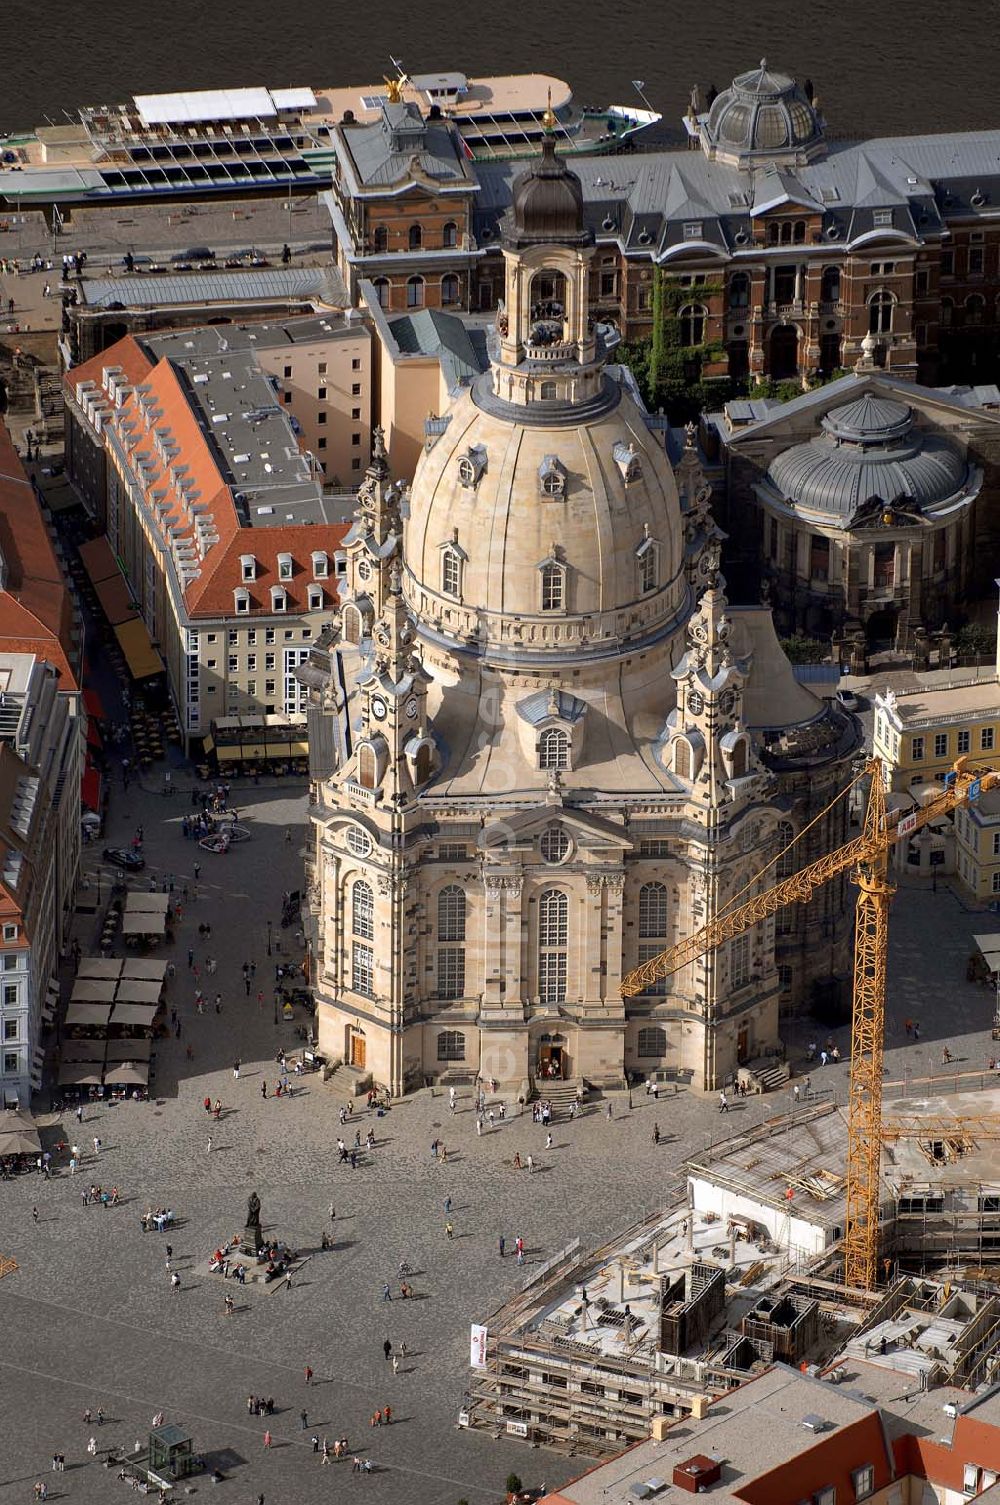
(545, 747)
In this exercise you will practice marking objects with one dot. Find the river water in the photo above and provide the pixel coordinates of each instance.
(879, 66)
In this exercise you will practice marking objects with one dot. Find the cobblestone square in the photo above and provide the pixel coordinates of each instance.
(90, 1319)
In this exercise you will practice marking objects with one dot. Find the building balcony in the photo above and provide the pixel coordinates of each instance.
(796, 309)
(565, 350)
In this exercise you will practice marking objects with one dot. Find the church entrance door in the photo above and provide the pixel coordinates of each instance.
(357, 1055)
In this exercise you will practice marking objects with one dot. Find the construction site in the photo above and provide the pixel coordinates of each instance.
(744, 1269)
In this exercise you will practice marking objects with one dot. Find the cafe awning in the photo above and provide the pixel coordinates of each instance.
(128, 1074)
(80, 1074)
(989, 945)
(93, 990)
(129, 1050)
(90, 789)
(18, 1135)
(132, 990)
(140, 903)
(144, 924)
(145, 967)
(299, 750)
(84, 1050)
(98, 560)
(134, 1015)
(140, 655)
(116, 599)
(90, 1015)
(228, 754)
(100, 966)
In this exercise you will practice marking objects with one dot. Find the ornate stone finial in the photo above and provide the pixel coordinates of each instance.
(690, 433)
(549, 119)
(553, 706)
(711, 559)
(555, 782)
(396, 578)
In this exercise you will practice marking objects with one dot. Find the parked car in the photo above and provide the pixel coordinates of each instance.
(121, 857)
(848, 700)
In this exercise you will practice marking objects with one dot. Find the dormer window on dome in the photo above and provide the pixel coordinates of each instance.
(552, 479)
(472, 465)
(626, 458)
(648, 560)
(552, 584)
(453, 560)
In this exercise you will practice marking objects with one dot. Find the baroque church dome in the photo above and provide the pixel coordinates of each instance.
(539, 536)
(763, 117)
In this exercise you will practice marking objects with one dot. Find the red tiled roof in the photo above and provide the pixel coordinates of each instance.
(36, 613)
(127, 353)
(220, 570)
(212, 594)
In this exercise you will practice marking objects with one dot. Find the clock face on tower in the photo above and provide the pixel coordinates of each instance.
(379, 708)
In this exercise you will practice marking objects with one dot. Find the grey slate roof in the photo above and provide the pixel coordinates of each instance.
(915, 177)
(431, 332)
(387, 151)
(261, 285)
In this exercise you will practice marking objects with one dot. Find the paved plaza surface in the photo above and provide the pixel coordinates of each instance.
(90, 1319)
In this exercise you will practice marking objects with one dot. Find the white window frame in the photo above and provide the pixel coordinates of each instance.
(285, 566)
(279, 598)
(248, 567)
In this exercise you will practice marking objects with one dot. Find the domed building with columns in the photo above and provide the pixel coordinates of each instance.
(545, 747)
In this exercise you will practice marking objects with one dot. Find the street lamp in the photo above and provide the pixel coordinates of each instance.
(269, 937)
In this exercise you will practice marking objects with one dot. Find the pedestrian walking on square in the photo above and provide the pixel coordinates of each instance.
(236, 1070)
(304, 1419)
(79, 1113)
(309, 1375)
(267, 1439)
(386, 1293)
(609, 1110)
(209, 1147)
(530, 1164)
(263, 1089)
(34, 1214)
(190, 957)
(548, 1141)
(230, 1306)
(916, 1029)
(449, 1230)
(92, 1447)
(395, 1364)
(723, 1103)
(97, 1144)
(315, 1442)
(796, 1090)
(175, 1281)
(387, 1350)
(503, 1245)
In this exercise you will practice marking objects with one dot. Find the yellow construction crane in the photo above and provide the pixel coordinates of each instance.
(867, 858)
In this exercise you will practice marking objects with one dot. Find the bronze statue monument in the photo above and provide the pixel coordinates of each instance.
(253, 1238)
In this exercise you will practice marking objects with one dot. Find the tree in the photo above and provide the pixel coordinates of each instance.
(514, 1485)
(799, 649)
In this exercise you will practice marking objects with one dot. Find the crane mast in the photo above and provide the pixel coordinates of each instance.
(867, 856)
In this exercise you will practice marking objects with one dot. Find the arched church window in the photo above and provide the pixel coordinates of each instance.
(451, 913)
(380, 239)
(880, 306)
(692, 324)
(352, 624)
(415, 292)
(422, 765)
(653, 911)
(382, 285)
(829, 288)
(363, 910)
(551, 478)
(553, 940)
(648, 567)
(416, 237)
(682, 759)
(451, 573)
(786, 863)
(553, 587)
(451, 910)
(553, 749)
(652, 1043)
(739, 758)
(449, 234)
(367, 766)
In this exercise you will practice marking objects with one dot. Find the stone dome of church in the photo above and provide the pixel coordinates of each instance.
(534, 533)
(763, 117)
(546, 203)
(869, 448)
